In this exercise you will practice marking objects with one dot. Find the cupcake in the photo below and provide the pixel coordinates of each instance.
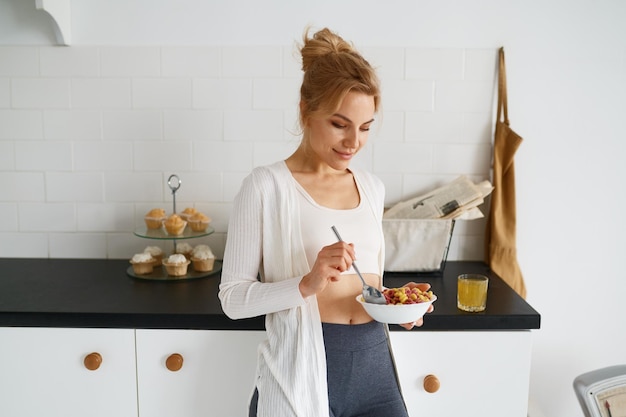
(187, 213)
(175, 225)
(203, 260)
(199, 222)
(200, 248)
(156, 253)
(154, 218)
(184, 249)
(176, 265)
(143, 263)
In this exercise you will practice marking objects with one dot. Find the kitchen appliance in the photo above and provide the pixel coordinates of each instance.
(602, 392)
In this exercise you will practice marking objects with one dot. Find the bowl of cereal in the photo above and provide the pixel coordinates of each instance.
(404, 305)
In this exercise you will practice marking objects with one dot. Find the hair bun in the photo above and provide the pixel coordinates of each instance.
(322, 43)
(332, 68)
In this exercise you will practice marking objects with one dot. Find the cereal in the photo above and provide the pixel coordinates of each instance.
(407, 295)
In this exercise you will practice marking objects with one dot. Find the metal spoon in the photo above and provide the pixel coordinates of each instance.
(370, 294)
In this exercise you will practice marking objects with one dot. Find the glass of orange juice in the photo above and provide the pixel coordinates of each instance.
(472, 292)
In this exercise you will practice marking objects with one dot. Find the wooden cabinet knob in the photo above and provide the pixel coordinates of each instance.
(93, 361)
(431, 383)
(174, 362)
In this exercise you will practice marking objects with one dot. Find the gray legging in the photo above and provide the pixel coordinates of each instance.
(361, 377)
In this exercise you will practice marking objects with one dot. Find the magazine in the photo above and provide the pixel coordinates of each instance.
(457, 200)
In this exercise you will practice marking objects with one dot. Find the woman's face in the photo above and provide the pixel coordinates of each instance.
(334, 140)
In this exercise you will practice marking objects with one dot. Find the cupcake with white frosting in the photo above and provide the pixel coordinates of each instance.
(176, 265)
(143, 263)
(184, 248)
(156, 253)
(203, 259)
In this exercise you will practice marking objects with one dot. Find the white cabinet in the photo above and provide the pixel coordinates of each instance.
(479, 373)
(216, 377)
(43, 372)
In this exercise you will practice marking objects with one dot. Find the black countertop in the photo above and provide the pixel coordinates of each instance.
(97, 293)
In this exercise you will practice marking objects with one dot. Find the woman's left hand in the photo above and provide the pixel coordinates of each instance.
(424, 286)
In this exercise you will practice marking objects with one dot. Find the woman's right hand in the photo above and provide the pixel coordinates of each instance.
(331, 261)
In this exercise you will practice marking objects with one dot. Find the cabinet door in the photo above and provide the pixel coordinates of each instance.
(216, 377)
(43, 372)
(480, 374)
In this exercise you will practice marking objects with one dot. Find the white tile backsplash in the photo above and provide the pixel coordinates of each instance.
(407, 95)
(222, 93)
(464, 96)
(132, 125)
(78, 245)
(390, 126)
(75, 61)
(414, 185)
(291, 62)
(133, 186)
(231, 183)
(156, 156)
(90, 134)
(190, 61)
(481, 65)
(253, 126)
(461, 159)
(7, 156)
(34, 93)
(275, 93)
(222, 156)
(196, 187)
(252, 61)
(47, 217)
(161, 93)
(434, 64)
(24, 245)
(5, 92)
(22, 61)
(101, 93)
(195, 125)
(43, 156)
(8, 217)
(403, 157)
(21, 124)
(124, 245)
(433, 126)
(388, 61)
(81, 187)
(22, 186)
(107, 217)
(120, 61)
(477, 128)
(75, 125)
(108, 156)
(265, 153)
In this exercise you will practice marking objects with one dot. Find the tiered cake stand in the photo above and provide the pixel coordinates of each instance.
(159, 273)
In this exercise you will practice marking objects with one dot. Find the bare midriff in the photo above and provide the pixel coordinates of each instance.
(337, 303)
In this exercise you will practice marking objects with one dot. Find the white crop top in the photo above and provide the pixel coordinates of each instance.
(357, 226)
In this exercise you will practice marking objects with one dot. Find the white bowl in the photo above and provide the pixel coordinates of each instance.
(396, 313)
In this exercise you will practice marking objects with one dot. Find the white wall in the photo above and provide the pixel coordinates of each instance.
(87, 132)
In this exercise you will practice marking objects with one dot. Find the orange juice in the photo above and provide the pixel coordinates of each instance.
(472, 292)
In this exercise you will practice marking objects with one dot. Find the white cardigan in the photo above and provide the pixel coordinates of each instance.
(264, 239)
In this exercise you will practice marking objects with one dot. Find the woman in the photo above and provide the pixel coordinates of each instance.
(324, 356)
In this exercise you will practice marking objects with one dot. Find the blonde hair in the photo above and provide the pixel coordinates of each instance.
(332, 68)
